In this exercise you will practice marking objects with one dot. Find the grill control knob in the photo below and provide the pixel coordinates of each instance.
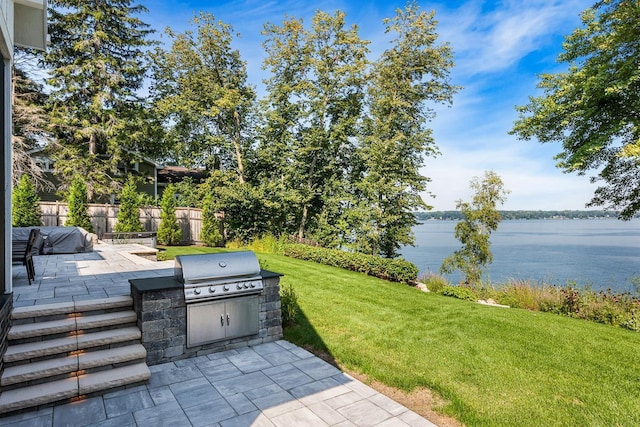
(246, 285)
(225, 288)
(211, 289)
(253, 285)
(196, 291)
(239, 286)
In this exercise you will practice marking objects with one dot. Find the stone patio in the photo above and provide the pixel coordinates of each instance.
(272, 384)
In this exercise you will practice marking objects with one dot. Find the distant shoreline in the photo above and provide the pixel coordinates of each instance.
(522, 214)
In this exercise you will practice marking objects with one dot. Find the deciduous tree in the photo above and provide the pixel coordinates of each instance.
(201, 94)
(481, 218)
(593, 107)
(314, 105)
(410, 75)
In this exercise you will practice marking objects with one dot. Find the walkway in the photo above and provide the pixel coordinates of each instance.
(273, 384)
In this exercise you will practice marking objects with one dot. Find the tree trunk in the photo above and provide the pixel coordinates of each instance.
(92, 144)
(303, 222)
(236, 143)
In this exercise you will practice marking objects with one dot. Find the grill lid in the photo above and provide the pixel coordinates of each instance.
(208, 268)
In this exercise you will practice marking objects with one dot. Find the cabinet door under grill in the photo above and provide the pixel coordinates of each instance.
(206, 322)
(242, 316)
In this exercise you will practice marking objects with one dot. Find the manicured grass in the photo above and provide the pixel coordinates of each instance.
(494, 366)
(169, 252)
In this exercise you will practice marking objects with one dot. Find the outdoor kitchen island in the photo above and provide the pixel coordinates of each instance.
(213, 302)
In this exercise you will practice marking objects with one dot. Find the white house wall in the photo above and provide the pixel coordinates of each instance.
(6, 29)
(30, 23)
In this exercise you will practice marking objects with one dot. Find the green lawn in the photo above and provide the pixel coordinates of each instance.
(494, 366)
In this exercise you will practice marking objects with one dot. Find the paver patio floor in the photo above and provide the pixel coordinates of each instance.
(272, 384)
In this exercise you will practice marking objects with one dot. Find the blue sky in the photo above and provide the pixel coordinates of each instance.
(499, 48)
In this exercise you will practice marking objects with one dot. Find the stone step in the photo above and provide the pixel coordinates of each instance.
(111, 356)
(33, 396)
(112, 378)
(64, 365)
(35, 350)
(37, 370)
(107, 319)
(31, 330)
(110, 337)
(85, 306)
(41, 329)
(36, 395)
(43, 310)
(64, 308)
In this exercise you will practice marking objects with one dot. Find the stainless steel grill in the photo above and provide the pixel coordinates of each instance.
(214, 276)
(221, 293)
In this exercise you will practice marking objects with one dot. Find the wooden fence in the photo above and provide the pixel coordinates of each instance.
(103, 219)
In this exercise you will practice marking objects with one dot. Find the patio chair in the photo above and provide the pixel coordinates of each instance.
(22, 253)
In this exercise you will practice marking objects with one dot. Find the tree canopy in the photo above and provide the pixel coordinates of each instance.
(314, 105)
(96, 67)
(414, 71)
(29, 124)
(331, 154)
(201, 95)
(593, 108)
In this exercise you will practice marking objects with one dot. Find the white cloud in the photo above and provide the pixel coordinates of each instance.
(490, 41)
(532, 183)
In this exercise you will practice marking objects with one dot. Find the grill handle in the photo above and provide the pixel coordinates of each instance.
(227, 319)
(222, 320)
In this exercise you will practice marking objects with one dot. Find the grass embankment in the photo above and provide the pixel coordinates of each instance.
(493, 366)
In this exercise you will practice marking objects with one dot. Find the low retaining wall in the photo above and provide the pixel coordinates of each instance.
(142, 238)
(162, 317)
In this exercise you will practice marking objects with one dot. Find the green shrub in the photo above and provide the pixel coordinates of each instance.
(268, 244)
(459, 292)
(288, 304)
(26, 206)
(128, 219)
(632, 322)
(78, 215)
(396, 270)
(169, 232)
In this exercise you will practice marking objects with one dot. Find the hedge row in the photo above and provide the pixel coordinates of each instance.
(396, 270)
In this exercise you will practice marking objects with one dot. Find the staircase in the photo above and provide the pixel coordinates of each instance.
(64, 351)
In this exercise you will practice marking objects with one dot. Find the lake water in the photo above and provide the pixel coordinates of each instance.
(597, 253)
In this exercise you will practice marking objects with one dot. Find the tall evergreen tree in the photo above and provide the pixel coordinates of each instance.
(96, 61)
(411, 74)
(78, 215)
(26, 207)
(169, 232)
(210, 233)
